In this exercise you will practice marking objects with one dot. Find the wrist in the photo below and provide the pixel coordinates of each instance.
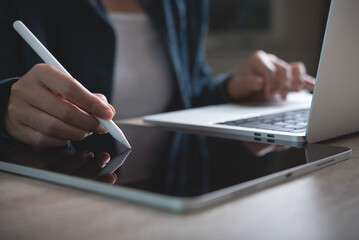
(234, 88)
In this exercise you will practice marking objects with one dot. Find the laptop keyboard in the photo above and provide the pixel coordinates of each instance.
(292, 121)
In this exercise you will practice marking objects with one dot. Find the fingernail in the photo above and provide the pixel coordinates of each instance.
(112, 109)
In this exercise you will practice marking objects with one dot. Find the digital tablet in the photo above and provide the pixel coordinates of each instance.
(168, 169)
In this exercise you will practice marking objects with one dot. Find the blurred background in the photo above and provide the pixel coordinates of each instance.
(291, 29)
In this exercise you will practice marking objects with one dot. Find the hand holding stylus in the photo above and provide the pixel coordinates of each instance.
(47, 107)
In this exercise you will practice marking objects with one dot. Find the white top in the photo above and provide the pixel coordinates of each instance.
(142, 78)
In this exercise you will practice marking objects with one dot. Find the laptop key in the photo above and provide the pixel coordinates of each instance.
(292, 121)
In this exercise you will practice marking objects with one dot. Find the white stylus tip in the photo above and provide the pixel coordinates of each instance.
(114, 131)
(126, 144)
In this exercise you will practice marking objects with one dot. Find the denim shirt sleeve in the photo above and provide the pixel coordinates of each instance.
(9, 61)
(183, 26)
(5, 87)
(206, 88)
(210, 89)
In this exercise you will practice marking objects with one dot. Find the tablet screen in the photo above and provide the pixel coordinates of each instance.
(167, 162)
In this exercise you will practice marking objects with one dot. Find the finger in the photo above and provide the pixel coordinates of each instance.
(309, 82)
(61, 109)
(91, 169)
(300, 78)
(263, 65)
(73, 90)
(51, 126)
(298, 74)
(282, 85)
(110, 178)
(99, 95)
(104, 99)
(35, 138)
(104, 158)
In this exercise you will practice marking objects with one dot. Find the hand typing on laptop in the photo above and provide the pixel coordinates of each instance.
(264, 75)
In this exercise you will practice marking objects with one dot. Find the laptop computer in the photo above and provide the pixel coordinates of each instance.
(329, 113)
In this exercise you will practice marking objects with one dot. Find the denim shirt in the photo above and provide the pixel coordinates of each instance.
(80, 36)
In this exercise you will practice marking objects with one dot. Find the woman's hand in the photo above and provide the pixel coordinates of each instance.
(264, 75)
(47, 108)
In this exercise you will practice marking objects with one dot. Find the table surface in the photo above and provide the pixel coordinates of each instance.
(320, 205)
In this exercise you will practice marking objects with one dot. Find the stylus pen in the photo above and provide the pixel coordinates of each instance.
(48, 58)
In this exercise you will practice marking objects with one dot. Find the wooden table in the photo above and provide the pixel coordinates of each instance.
(320, 205)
